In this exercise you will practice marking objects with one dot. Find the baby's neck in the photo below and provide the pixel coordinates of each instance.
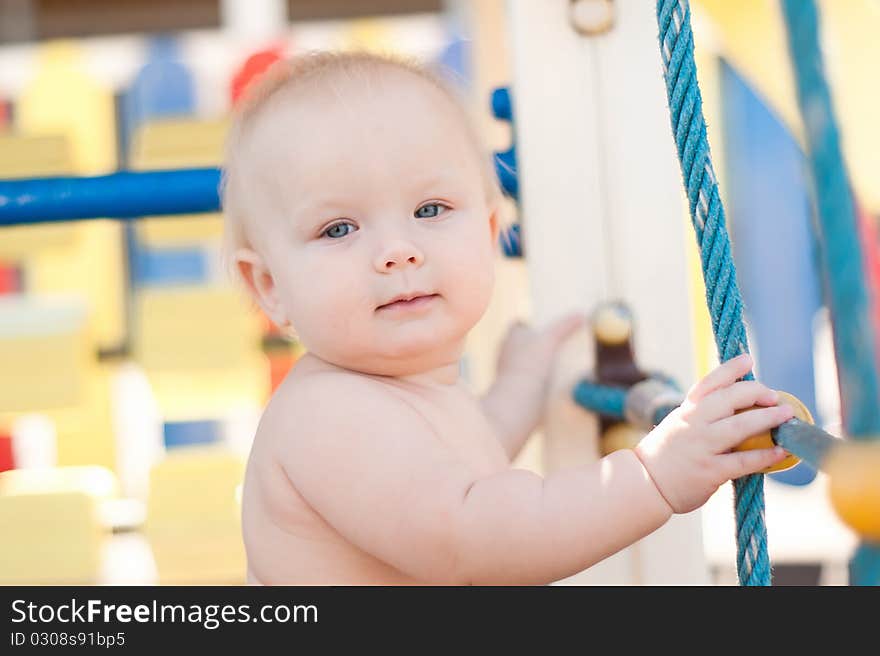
(441, 376)
(447, 375)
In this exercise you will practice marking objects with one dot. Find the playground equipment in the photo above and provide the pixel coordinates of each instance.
(853, 334)
(621, 132)
(604, 55)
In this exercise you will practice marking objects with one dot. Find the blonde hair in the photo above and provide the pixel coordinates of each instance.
(308, 72)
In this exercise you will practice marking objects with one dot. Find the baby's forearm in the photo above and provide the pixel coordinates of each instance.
(514, 405)
(519, 528)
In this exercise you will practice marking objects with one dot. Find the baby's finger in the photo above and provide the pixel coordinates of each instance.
(727, 433)
(722, 376)
(743, 394)
(741, 463)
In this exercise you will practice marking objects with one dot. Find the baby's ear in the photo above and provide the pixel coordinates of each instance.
(260, 283)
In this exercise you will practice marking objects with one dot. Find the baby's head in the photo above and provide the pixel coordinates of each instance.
(353, 180)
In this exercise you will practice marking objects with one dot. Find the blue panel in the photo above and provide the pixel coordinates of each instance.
(505, 161)
(769, 213)
(163, 87)
(189, 433)
(455, 62)
(169, 266)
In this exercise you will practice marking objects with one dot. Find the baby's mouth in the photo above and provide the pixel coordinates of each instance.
(414, 302)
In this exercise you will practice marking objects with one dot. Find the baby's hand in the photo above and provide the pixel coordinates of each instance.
(530, 352)
(688, 453)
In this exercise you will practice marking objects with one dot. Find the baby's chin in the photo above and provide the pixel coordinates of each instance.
(405, 359)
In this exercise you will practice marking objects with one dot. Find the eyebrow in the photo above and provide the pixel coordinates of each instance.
(438, 179)
(314, 214)
(324, 209)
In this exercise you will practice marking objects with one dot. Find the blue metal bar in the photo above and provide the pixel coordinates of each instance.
(608, 400)
(809, 443)
(123, 195)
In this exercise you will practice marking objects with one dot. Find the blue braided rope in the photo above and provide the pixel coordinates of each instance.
(719, 273)
(841, 250)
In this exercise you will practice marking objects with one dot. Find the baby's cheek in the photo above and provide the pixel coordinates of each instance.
(337, 302)
(472, 274)
(332, 326)
(318, 298)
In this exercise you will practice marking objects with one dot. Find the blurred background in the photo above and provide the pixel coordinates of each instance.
(132, 374)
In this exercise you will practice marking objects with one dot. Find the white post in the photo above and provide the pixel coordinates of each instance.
(603, 218)
(254, 20)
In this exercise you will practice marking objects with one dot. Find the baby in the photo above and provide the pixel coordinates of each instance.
(363, 214)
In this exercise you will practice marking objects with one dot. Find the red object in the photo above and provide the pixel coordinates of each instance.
(253, 67)
(269, 327)
(10, 279)
(871, 253)
(279, 366)
(6, 459)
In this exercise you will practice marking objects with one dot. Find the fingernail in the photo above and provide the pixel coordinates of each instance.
(778, 450)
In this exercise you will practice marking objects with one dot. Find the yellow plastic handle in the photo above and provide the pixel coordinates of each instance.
(765, 441)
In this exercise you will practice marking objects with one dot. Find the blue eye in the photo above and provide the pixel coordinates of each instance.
(430, 210)
(338, 230)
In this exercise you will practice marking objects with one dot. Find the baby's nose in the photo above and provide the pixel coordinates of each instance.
(399, 254)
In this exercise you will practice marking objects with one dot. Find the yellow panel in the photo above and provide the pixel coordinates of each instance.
(204, 558)
(178, 143)
(41, 372)
(185, 328)
(84, 432)
(45, 350)
(95, 268)
(179, 230)
(852, 27)
(192, 395)
(25, 157)
(63, 100)
(50, 538)
(193, 516)
(20, 243)
(751, 36)
(370, 34)
(200, 347)
(194, 484)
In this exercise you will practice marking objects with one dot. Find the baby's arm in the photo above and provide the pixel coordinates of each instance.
(514, 406)
(515, 402)
(375, 470)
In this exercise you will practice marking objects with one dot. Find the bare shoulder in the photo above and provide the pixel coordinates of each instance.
(340, 414)
(333, 393)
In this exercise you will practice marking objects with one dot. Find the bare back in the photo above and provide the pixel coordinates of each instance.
(287, 541)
